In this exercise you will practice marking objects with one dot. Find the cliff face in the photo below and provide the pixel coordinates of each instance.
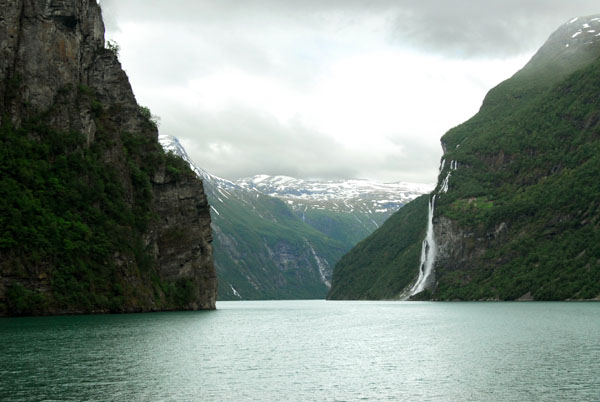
(72, 130)
(515, 213)
(517, 216)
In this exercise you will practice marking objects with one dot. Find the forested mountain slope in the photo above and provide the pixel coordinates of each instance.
(517, 206)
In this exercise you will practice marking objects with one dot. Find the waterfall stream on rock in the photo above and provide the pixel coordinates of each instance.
(429, 248)
(428, 253)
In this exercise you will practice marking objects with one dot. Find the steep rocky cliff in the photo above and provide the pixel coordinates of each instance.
(515, 214)
(95, 216)
(520, 217)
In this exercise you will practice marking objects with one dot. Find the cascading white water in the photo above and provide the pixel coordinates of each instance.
(428, 253)
(429, 248)
(444, 187)
(322, 264)
(453, 166)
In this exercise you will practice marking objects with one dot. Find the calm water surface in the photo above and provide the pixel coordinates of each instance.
(310, 351)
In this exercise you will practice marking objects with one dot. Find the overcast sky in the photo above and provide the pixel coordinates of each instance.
(324, 88)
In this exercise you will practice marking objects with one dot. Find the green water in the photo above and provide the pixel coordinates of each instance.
(310, 351)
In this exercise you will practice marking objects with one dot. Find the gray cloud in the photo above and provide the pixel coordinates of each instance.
(207, 36)
(475, 28)
(461, 28)
(240, 142)
(168, 44)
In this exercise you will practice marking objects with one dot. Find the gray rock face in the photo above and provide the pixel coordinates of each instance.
(183, 237)
(52, 56)
(47, 46)
(458, 247)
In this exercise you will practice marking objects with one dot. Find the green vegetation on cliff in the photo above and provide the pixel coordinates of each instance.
(521, 215)
(536, 171)
(89, 201)
(65, 214)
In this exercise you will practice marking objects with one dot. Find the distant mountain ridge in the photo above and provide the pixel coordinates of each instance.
(515, 214)
(372, 194)
(279, 237)
(373, 200)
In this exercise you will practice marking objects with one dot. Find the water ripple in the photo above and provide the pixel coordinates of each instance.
(308, 351)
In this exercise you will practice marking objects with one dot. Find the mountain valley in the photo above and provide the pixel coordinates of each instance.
(279, 237)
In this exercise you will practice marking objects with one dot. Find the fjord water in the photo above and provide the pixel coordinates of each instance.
(310, 351)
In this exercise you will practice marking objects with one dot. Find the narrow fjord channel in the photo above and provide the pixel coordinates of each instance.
(310, 350)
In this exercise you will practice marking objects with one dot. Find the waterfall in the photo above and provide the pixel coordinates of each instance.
(453, 166)
(428, 253)
(322, 264)
(444, 187)
(429, 247)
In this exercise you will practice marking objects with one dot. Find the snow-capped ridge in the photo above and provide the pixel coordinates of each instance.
(327, 190)
(352, 195)
(172, 144)
(581, 31)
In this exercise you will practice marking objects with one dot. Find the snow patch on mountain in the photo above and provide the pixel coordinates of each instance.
(354, 195)
(337, 195)
(172, 144)
(370, 202)
(582, 31)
